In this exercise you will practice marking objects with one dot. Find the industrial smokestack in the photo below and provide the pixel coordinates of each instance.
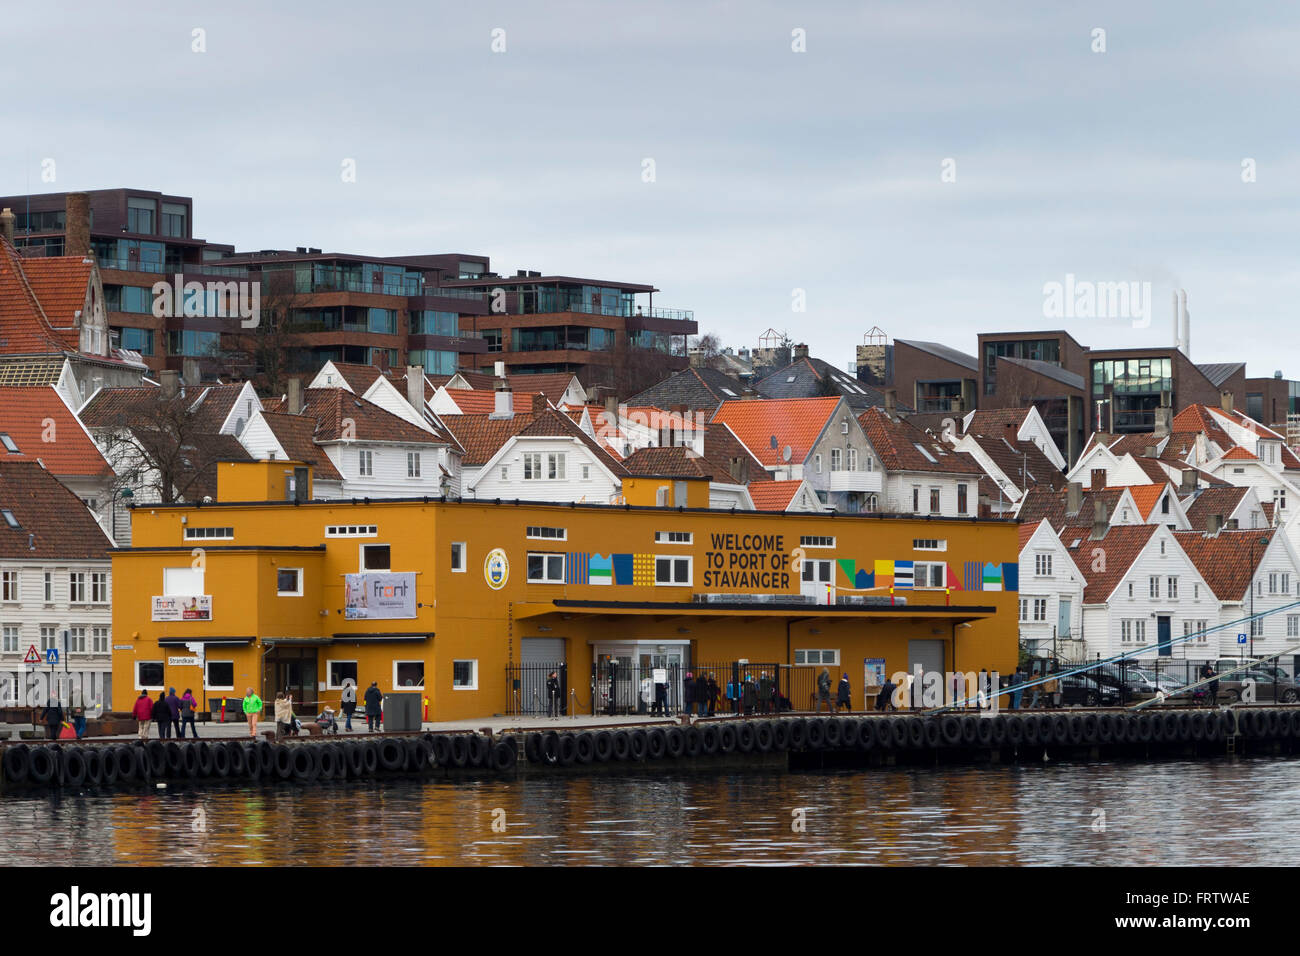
(1186, 327)
(1178, 334)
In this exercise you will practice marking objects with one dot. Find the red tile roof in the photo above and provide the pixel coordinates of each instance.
(358, 377)
(1238, 453)
(296, 435)
(1146, 497)
(335, 408)
(1213, 501)
(796, 422)
(676, 460)
(773, 495)
(483, 402)
(1226, 560)
(481, 436)
(44, 428)
(53, 523)
(721, 445)
(26, 287)
(896, 442)
(1121, 546)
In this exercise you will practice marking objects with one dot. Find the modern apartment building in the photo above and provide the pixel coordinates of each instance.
(436, 311)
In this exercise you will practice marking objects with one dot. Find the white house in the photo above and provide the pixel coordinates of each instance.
(1051, 595)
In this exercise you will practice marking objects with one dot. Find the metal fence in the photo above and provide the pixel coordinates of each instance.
(531, 692)
(1132, 681)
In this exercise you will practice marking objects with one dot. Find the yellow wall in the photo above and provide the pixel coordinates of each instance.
(644, 490)
(471, 620)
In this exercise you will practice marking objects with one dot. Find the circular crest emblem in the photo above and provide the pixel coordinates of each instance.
(496, 569)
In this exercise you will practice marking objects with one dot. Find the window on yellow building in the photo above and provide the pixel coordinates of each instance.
(408, 674)
(376, 557)
(339, 671)
(219, 675)
(288, 582)
(464, 675)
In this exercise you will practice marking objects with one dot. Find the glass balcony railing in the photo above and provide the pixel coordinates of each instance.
(171, 268)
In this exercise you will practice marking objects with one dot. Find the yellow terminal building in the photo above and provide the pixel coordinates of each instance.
(472, 603)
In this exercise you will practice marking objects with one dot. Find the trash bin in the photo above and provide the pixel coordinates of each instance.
(401, 712)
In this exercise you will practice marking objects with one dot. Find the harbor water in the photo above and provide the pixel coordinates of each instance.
(1222, 811)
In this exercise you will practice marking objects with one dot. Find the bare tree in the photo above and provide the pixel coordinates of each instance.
(160, 446)
(264, 352)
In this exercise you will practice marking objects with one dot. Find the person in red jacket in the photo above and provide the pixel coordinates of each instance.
(143, 712)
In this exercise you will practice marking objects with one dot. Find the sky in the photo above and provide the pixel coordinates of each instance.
(818, 168)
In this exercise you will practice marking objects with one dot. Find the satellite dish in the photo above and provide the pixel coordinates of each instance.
(785, 455)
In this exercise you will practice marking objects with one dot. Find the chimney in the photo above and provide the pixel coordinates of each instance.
(1187, 482)
(499, 369)
(1178, 331)
(1225, 400)
(7, 224)
(1097, 479)
(891, 401)
(295, 396)
(415, 388)
(190, 374)
(170, 383)
(76, 237)
(1149, 451)
(611, 413)
(1164, 422)
(1100, 520)
(1073, 497)
(505, 400)
(1213, 524)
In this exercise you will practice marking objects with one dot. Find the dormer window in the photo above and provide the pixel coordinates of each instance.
(8, 515)
(8, 442)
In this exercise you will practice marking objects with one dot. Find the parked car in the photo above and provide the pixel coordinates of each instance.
(1079, 690)
(1271, 682)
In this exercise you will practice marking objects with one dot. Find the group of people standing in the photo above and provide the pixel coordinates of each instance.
(172, 714)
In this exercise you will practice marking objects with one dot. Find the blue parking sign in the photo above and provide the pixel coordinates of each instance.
(52, 655)
(1241, 638)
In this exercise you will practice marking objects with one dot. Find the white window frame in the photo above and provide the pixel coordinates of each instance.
(365, 463)
(329, 677)
(532, 466)
(101, 637)
(7, 646)
(77, 587)
(817, 463)
(545, 565)
(294, 593)
(1293, 625)
(459, 554)
(929, 544)
(210, 686)
(351, 531)
(816, 541)
(852, 464)
(673, 560)
(1042, 564)
(801, 657)
(936, 499)
(674, 537)
(209, 534)
(361, 558)
(76, 643)
(49, 637)
(424, 680)
(161, 663)
(11, 587)
(48, 587)
(1153, 586)
(99, 585)
(473, 662)
(538, 533)
(412, 464)
(1171, 587)
(555, 465)
(916, 576)
(837, 460)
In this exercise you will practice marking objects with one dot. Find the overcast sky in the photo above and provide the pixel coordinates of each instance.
(774, 170)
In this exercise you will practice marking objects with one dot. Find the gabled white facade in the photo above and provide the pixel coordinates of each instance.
(1129, 619)
(579, 475)
(381, 469)
(1032, 429)
(728, 496)
(1276, 584)
(1120, 469)
(241, 411)
(1051, 597)
(1270, 484)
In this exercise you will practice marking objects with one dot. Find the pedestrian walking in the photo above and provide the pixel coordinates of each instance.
(143, 712)
(749, 695)
(733, 696)
(349, 702)
(713, 695)
(553, 694)
(843, 696)
(688, 693)
(52, 718)
(188, 707)
(702, 693)
(1212, 688)
(661, 699)
(252, 710)
(162, 716)
(764, 693)
(174, 711)
(374, 706)
(283, 715)
(885, 699)
(824, 690)
(1013, 684)
(77, 710)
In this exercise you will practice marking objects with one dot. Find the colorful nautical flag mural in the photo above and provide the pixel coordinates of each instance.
(643, 569)
(992, 579)
(849, 566)
(576, 567)
(600, 570)
(951, 580)
(864, 580)
(622, 568)
(903, 574)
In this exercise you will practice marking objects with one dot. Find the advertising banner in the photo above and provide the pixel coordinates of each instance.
(196, 607)
(379, 595)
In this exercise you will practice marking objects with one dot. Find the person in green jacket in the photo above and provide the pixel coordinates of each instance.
(252, 710)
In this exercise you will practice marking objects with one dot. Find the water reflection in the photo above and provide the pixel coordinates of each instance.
(1072, 814)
